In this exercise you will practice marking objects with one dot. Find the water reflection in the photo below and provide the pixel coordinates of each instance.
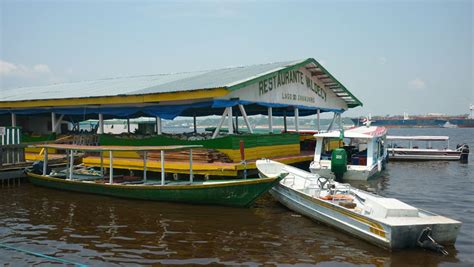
(103, 231)
(93, 229)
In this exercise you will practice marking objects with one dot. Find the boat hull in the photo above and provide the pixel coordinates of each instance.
(241, 193)
(349, 175)
(425, 154)
(352, 174)
(378, 233)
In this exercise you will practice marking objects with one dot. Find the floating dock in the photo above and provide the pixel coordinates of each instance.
(54, 113)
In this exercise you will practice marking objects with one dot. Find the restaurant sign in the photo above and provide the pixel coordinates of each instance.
(291, 87)
(289, 77)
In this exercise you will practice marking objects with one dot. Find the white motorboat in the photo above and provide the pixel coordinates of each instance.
(386, 222)
(365, 149)
(413, 152)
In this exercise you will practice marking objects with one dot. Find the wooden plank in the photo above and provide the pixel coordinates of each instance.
(114, 148)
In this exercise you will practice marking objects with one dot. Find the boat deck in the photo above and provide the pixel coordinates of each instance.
(200, 168)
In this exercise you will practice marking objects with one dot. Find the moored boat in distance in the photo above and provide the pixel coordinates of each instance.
(237, 192)
(362, 153)
(414, 152)
(386, 222)
(432, 120)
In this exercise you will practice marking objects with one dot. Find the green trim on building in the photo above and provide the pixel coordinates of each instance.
(25, 138)
(227, 142)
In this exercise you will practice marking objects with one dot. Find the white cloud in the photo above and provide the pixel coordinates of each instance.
(382, 60)
(11, 69)
(7, 67)
(41, 68)
(18, 75)
(417, 83)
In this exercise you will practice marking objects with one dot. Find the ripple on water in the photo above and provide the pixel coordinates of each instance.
(118, 232)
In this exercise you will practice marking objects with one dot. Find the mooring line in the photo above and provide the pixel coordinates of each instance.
(43, 255)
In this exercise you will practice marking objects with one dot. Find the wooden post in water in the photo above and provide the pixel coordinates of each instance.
(71, 164)
(191, 165)
(145, 158)
(45, 161)
(111, 166)
(101, 164)
(162, 159)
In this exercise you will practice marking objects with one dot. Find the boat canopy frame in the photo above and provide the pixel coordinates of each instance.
(71, 149)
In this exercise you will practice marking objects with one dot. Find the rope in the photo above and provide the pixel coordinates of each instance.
(43, 256)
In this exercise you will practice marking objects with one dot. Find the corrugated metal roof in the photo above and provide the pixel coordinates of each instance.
(228, 78)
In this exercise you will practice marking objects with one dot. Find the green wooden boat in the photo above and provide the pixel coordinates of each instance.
(238, 192)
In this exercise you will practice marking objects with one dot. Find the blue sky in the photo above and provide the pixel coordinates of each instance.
(395, 56)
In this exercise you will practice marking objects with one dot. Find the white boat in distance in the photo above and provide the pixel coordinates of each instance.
(365, 148)
(411, 152)
(386, 222)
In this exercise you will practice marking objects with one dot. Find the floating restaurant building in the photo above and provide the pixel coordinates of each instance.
(287, 89)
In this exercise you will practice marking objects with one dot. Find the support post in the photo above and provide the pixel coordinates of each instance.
(270, 119)
(245, 117)
(158, 126)
(332, 122)
(111, 167)
(319, 120)
(191, 176)
(101, 164)
(194, 123)
(128, 125)
(285, 126)
(297, 120)
(71, 163)
(45, 161)
(53, 122)
(236, 122)
(145, 159)
(13, 120)
(101, 123)
(230, 122)
(216, 131)
(57, 129)
(340, 121)
(162, 159)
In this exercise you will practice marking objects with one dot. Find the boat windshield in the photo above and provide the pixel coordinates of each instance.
(356, 149)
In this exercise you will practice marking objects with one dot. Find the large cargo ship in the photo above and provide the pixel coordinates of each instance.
(429, 120)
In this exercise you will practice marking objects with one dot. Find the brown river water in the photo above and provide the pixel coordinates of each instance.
(103, 231)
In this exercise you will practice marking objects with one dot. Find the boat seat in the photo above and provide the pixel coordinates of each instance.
(389, 207)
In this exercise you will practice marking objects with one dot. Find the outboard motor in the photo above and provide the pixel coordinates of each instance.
(339, 163)
(425, 240)
(464, 152)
